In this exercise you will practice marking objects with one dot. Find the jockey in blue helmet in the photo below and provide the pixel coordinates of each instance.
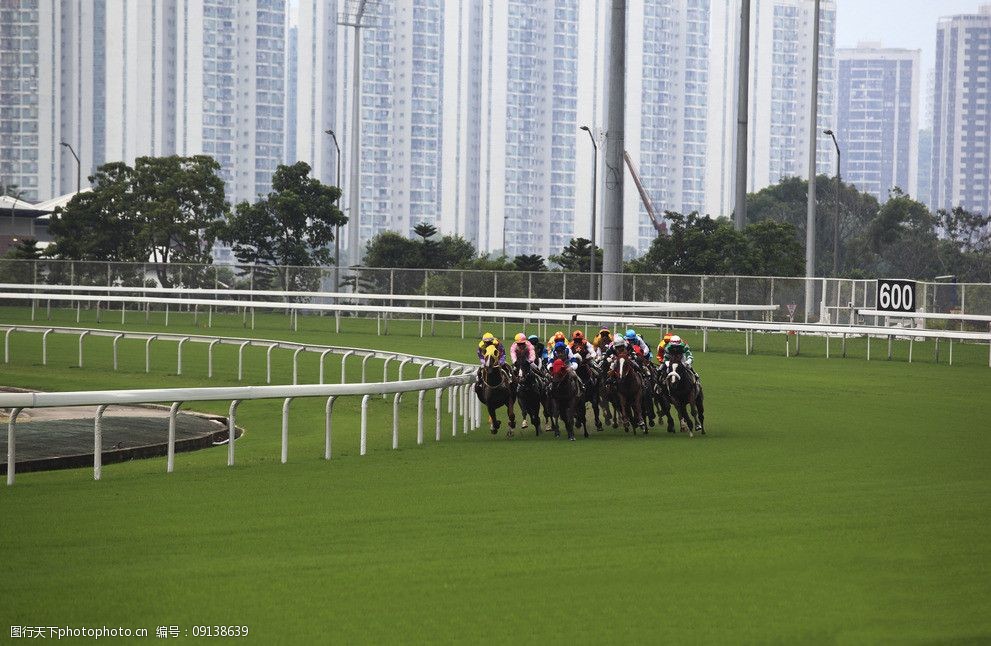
(637, 344)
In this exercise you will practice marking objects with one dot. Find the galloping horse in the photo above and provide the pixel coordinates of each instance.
(629, 390)
(529, 393)
(591, 378)
(565, 393)
(685, 393)
(496, 390)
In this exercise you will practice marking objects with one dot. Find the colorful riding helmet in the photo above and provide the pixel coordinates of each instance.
(577, 335)
(559, 336)
(631, 334)
(620, 342)
(521, 338)
(533, 338)
(559, 345)
(604, 331)
(488, 337)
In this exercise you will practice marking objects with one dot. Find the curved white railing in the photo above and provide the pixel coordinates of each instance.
(457, 386)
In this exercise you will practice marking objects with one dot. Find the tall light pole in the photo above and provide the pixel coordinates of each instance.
(810, 216)
(595, 185)
(742, 107)
(78, 165)
(612, 205)
(836, 218)
(355, 19)
(337, 229)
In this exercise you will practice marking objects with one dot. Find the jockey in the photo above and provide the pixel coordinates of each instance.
(677, 346)
(617, 347)
(579, 344)
(558, 336)
(539, 351)
(489, 339)
(660, 346)
(521, 351)
(601, 341)
(563, 352)
(638, 344)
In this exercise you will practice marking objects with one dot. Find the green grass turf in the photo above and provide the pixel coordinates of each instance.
(832, 501)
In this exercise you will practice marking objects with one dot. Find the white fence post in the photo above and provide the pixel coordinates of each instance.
(402, 364)
(395, 420)
(98, 442)
(328, 414)
(295, 365)
(344, 360)
(173, 411)
(385, 371)
(44, 346)
(364, 425)
(209, 358)
(268, 363)
(323, 355)
(364, 361)
(82, 336)
(148, 352)
(437, 408)
(285, 429)
(231, 430)
(419, 416)
(117, 338)
(240, 360)
(6, 346)
(178, 363)
(11, 431)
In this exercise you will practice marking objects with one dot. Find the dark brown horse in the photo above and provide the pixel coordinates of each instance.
(628, 392)
(564, 394)
(497, 389)
(684, 392)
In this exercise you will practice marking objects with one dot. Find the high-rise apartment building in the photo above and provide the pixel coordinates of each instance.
(878, 109)
(118, 80)
(320, 84)
(666, 111)
(961, 148)
(292, 82)
(529, 131)
(780, 82)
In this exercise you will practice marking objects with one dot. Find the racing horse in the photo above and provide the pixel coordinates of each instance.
(591, 377)
(564, 394)
(529, 392)
(628, 391)
(496, 389)
(685, 393)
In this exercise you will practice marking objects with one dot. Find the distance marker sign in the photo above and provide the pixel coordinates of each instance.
(895, 295)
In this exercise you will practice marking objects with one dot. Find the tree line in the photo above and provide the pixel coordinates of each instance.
(168, 210)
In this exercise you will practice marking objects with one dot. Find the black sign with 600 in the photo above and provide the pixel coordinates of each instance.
(895, 295)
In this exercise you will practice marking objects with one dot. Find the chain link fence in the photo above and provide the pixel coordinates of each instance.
(834, 300)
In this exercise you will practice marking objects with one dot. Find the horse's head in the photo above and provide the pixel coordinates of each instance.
(674, 372)
(491, 355)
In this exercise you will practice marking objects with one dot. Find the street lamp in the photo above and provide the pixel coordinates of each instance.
(836, 218)
(595, 182)
(78, 165)
(337, 229)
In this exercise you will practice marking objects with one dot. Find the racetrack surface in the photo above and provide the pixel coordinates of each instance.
(832, 501)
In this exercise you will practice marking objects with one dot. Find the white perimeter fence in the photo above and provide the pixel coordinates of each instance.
(457, 385)
(835, 299)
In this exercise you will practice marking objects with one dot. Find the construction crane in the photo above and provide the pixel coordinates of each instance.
(648, 204)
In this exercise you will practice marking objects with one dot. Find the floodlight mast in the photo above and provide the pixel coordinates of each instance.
(355, 19)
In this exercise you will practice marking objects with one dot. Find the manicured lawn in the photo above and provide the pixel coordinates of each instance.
(832, 501)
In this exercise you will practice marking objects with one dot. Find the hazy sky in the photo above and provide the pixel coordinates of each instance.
(898, 23)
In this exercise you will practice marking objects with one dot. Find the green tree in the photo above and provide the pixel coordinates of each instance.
(532, 262)
(699, 245)
(787, 201)
(292, 226)
(20, 271)
(776, 247)
(576, 256)
(166, 209)
(971, 232)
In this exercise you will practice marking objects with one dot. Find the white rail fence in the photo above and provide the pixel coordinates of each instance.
(457, 385)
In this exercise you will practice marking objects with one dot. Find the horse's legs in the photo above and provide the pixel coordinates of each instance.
(493, 419)
(700, 417)
(510, 406)
(666, 412)
(687, 424)
(623, 414)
